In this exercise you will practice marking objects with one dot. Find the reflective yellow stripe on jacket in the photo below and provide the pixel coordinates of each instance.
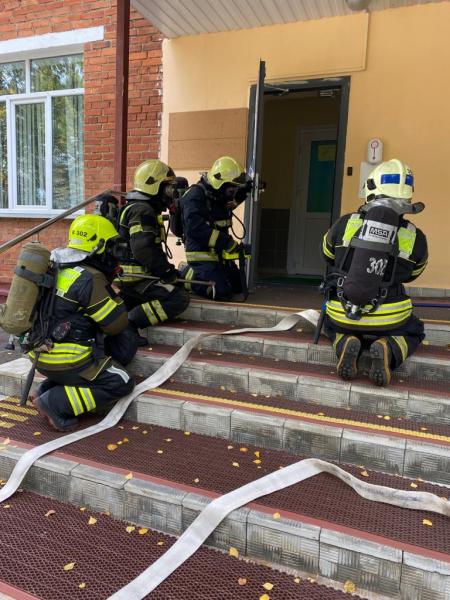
(389, 314)
(202, 256)
(130, 270)
(69, 354)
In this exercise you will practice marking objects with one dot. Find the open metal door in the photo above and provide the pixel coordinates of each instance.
(254, 147)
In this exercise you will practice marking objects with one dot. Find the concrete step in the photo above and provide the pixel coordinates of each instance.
(162, 478)
(106, 556)
(428, 363)
(245, 315)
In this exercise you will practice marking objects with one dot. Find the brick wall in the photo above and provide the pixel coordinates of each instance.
(22, 18)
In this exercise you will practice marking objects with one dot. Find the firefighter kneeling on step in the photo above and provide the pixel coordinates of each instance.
(141, 225)
(370, 255)
(80, 377)
(206, 213)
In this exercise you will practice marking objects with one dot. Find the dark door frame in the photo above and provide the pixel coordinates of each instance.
(343, 84)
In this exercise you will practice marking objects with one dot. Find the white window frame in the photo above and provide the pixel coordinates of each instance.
(65, 43)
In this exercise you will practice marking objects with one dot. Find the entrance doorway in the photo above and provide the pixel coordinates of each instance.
(301, 148)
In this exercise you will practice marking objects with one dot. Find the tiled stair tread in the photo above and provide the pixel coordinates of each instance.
(35, 549)
(322, 372)
(291, 336)
(186, 458)
(277, 402)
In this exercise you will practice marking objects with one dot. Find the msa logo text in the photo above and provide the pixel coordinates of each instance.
(379, 232)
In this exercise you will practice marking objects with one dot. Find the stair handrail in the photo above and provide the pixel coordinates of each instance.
(23, 236)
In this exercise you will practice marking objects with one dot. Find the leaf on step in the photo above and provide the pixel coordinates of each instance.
(82, 585)
(257, 453)
(424, 429)
(69, 566)
(160, 543)
(130, 528)
(187, 433)
(242, 581)
(49, 513)
(257, 461)
(268, 586)
(297, 580)
(160, 451)
(119, 443)
(37, 433)
(255, 395)
(276, 516)
(244, 450)
(6, 441)
(111, 447)
(413, 485)
(168, 440)
(82, 509)
(92, 521)
(387, 418)
(264, 597)
(125, 440)
(6, 506)
(427, 522)
(120, 427)
(196, 480)
(129, 475)
(349, 587)
(144, 432)
(142, 531)
(135, 427)
(233, 552)
(364, 473)
(235, 464)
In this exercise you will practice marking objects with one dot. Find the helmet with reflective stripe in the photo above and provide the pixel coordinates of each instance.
(89, 232)
(390, 179)
(226, 170)
(150, 174)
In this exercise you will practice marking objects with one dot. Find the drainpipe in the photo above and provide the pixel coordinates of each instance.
(122, 63)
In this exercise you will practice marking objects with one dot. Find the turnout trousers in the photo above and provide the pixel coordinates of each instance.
(69, 394)
(150, 303)
(403, 341)
(226, 276)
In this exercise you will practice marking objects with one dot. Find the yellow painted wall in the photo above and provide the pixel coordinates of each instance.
(398, 61)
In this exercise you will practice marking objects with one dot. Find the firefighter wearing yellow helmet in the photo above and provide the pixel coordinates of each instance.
(371, 254)
(141, 226)
(86, 336)
(206, 213)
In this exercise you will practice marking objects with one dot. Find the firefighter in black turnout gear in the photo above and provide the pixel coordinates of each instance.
(80, 376)
(141, 225)
(370, 255)
(206, 211)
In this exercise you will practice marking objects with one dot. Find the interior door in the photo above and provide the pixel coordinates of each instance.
(254, 167)
(313, 199)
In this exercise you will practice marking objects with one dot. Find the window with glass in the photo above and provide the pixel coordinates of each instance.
(41, 134)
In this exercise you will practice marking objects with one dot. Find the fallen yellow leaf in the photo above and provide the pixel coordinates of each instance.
(160, 543)
(6, 506)
(82, 585)
(187, 433)
(144, 432)
(235, 464)
(111, 447)
(413, 485)
(125, 440)
(387, 418)
(129, 475)
(257, 461)
(242, 581)
(49, 513)
(160, 451)
(427, 522)
(243, 450)
(119, 443)
(268, 586)
(364, 473)
(82, 508)
(168, 440)
(222, 387)
(276, 516)
(264, 597)
(349, 587)
(233, 552)
(92, 521)
(130, 529)
(297, 580)
(230, 447)
(120, 427)
(320, 414)
(257, 453)
(37, 433)
(143, 531)
(424, 429)
(69, 566)
(135, 427)
(196, 480)
(255, 395)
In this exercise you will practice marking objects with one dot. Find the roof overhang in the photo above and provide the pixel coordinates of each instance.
(176, 18)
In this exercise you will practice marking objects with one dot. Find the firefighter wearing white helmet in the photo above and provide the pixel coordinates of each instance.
(86, 318)
(145, 253)
(370, 255)
(206, 214)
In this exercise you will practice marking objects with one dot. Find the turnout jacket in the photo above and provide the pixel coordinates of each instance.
(206, 222)
(141, 225)
(85, 306)
(410, 262)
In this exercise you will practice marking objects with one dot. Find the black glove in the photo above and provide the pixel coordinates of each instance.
(170, 276)
(108, 206)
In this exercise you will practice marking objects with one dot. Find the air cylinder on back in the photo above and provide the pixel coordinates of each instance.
(16, 316)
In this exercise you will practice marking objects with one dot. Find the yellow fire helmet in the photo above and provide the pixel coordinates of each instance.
(87, 231)
(390, 179)
(226, 170)
(150, 174)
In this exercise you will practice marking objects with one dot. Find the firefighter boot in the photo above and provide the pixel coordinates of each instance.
(380, 371)
(58, 422)
(348, 350)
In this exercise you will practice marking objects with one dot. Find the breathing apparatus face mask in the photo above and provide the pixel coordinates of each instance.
(233, 195)
(171, 191)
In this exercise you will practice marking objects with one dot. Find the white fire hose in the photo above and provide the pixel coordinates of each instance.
(197, 533)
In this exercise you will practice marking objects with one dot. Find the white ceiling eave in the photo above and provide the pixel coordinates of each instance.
(176, 18)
